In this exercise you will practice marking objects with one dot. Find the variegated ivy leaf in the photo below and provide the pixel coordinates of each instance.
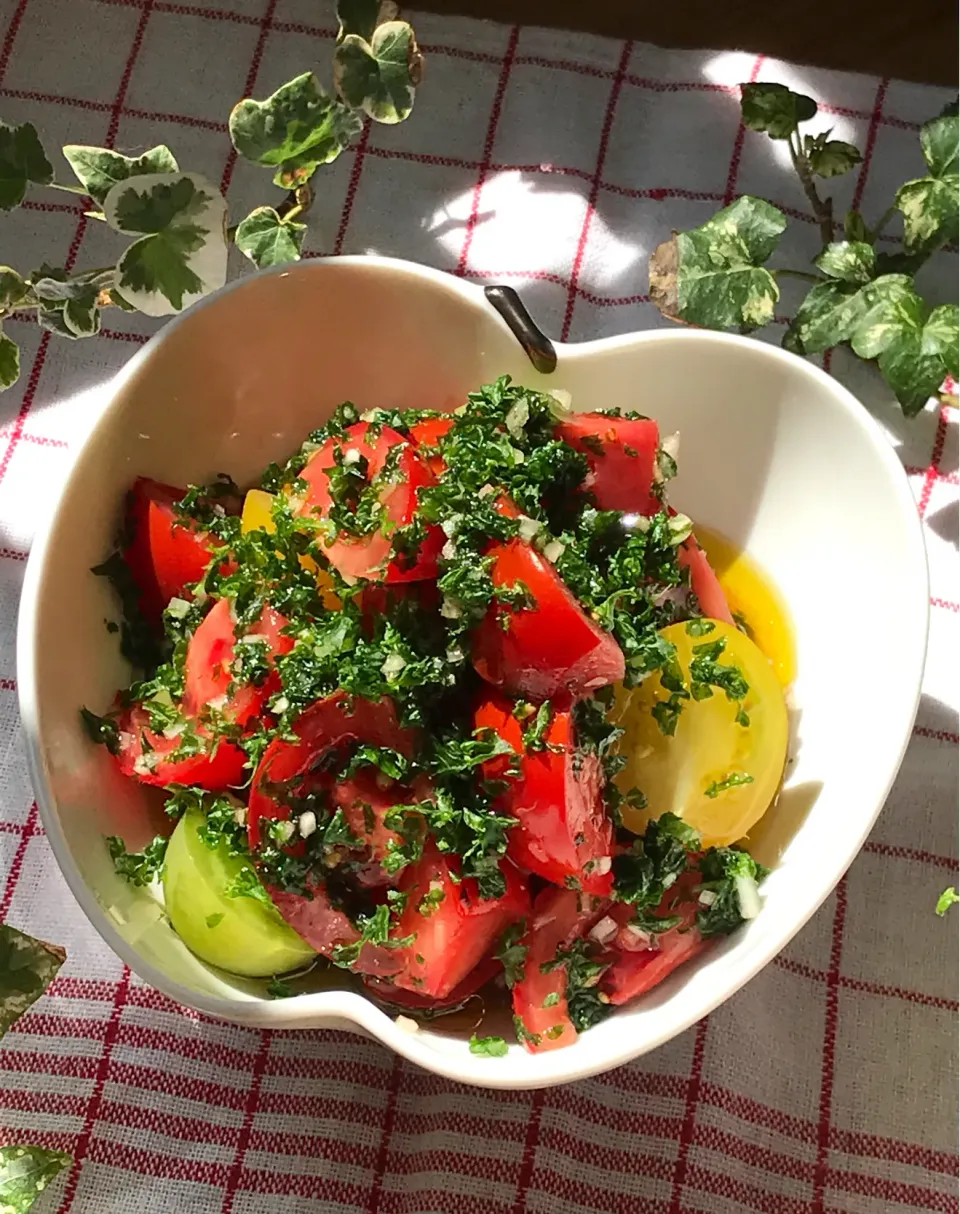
(27, 967)
(13, 288)
(713, 276)
(99, 169)
(774, 108)
(379, 76)
(833, 311)
(24, 1173)
(22, 160)
(930, 204)
(941, 336)
(269, 240)
(69, 306)
(182, 254)
(9, 361)
(848, 260)
(855, 228)
(297, 128)
(362, 17)
(830, 157)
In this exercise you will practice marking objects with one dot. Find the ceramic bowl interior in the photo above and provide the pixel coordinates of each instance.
(774, 454)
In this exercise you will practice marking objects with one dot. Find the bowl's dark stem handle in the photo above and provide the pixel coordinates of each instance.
(537, 346)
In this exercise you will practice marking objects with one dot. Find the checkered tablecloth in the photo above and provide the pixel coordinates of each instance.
(555, 162)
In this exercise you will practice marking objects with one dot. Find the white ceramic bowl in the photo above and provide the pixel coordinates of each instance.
(775, 455)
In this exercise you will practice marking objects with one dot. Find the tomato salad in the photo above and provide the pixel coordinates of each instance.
(387, 694)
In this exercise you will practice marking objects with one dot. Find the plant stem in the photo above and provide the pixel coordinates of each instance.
(884, 219)
(822, 208)
(804, 274)
(68, 189)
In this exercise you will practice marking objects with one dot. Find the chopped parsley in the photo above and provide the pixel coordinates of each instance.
(138, 867)
(488, 1047)
(734, 779)
(730, 878)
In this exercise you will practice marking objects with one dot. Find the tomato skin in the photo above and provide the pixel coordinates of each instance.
(703, 581)
(211, 652)
(333, 721)
(215, 770)
(454, 935)
(636, 970)
(369, 557)
(557, 799)
(560, 916)
(167, 553)
(428, 433)
(617, 479)
(325, 928)
(547, 649)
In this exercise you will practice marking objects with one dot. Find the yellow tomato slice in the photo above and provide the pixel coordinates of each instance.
(258, 516)
(716, 774)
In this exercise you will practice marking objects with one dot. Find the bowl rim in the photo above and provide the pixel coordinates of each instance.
(349, 1009)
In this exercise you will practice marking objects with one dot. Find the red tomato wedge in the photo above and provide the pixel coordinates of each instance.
(479, 976)
(549, 648)
(454, 928)
(210, 657)
(703, 581)
(365, 804)
(637, 969)
(325, 927)
(564, 833)
(371, 557)
(621, 453)
(560, 916)
(167, 553)
(147, 757)
(428, 433)
(334, 721)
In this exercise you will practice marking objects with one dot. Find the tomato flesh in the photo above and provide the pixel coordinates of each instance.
(563, 832)
(428, 433)
(371, 557)
(621, 453)
(703, 581)
(334, 721)
(637, 969)
(560, 916)
(210, 657)
(478, 977)
(167, 553)
(453, 928)
(147, 756)
(545, 649)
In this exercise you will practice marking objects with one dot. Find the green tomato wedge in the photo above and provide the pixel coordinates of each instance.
(242, 934)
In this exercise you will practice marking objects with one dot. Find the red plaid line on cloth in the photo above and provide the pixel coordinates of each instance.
(559, 161)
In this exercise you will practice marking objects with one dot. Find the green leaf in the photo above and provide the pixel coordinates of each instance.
(267, 239)
(68, 306)
(99, 169)
(9, 362)
(948, 898)
(182, 255)
(13, 288)
(855, 228)
(941, 337)
(774, 108)
(848, 260)
(930, 204)
(830, 157)
(891, 304)
(297, 128)
(22, 160)
(827, 317)
(711, 275)
(939, 144)
(24, 1173)
(362, 17)
(380, 76)
(27, 967)
(488, 1047)
(913, 376)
